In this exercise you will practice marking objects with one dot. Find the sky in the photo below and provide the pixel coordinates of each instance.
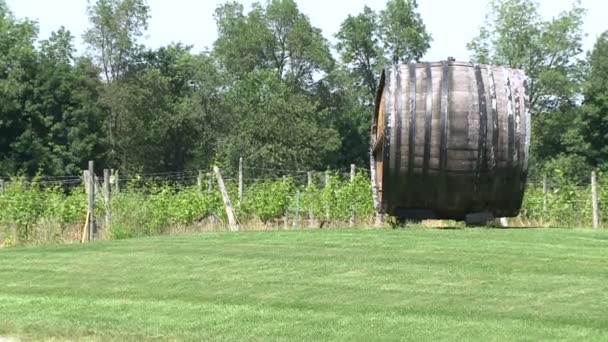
(451, 23)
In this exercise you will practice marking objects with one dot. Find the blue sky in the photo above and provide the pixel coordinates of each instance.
(452, 23)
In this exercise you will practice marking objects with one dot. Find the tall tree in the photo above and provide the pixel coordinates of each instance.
(275, 60)
(403, 32)
(49, 119)
(360, 49)
(367, 41)
(115, 27)
(594, 112)
(276, 36)
(17, 81)
(514, 34)
(273, 127)
(167, 111)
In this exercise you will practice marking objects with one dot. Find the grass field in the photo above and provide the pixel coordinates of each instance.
(354, 284)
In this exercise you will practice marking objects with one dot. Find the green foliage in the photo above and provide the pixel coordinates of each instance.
(359, 47)
(268, 200)
(368, 40)
(27, 204)
(566, 204)
(403, 32)
(274, 127)
(115, 27)
(275, 36)
(514, 34)
(594, 112)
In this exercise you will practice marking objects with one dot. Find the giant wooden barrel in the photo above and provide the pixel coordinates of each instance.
(451, 139)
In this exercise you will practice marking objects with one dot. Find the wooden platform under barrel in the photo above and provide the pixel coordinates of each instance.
(451, 139)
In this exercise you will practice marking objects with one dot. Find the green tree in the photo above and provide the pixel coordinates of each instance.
(359, 48)
(594, 112)
(514, 34)
(403, 33)
(49, 119)
(273, 127)
(115, 27)
(276, 36)
(167, 111)
(18, 58)
(367, 41)
(70, 122)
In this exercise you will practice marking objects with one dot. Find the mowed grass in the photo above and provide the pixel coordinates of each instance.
(353, 284)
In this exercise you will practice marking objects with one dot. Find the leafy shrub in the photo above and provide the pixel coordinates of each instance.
(269, 200)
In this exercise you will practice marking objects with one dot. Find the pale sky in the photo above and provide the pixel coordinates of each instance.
(452, 23)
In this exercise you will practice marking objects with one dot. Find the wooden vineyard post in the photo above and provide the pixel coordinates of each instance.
(594, 201)
(373, 179)
(352, 206)
(209, 191)
(199, 181)
(209, 182)
(229, 212)
(91, 200)
(107, 197)
(286, 213)
(240, 181)
(545, 192)
(311, 213)
(327, 205)
(117, 180)
(296, 221)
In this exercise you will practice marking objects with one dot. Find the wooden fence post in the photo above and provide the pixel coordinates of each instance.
(296, 221)
(240, 181)
(352, 207)
(596, 217)
(373, 180)
(326, 185)
(91, 200)
(209, 182)
(311, 213)
(117, 180)
(199, 181)
(107, 196)
(286, 213)
(229, 212)
(545, 192)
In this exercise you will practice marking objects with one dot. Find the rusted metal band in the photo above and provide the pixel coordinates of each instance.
(398, 112)
(495, 131)
(412, 130)
(517, 121)
(526, 123)
(443, 153)
(510, 119)
(428, 120)
(482, 160)
(387, 119)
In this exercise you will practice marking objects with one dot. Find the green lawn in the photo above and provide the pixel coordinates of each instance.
(354, 284)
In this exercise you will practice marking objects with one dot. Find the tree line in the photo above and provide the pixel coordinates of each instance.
(272, 89)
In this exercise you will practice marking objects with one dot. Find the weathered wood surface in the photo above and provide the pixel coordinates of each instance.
(229, 210)
(451, 139)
